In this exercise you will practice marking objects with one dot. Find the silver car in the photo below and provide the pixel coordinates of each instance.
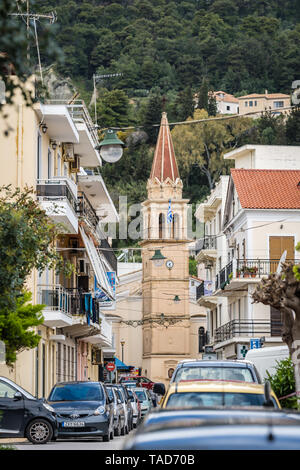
(119, 413)
(136, 406)
(144, 399)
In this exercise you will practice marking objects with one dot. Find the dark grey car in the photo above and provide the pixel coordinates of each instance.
(83, 409)
(119, 413)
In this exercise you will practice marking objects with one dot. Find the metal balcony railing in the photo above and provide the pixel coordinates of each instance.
(109, 254)
(56, 189)
(257, 267)
(70, 301)
(248, 328)
(210, 243)
(86, 210)
(79, 113)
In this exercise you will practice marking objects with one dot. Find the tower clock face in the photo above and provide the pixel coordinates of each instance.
(169, 264)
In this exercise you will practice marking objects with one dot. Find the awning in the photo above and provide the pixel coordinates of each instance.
(120, 365)
(97, 264)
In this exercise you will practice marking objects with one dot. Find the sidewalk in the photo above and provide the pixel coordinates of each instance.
(11, 440)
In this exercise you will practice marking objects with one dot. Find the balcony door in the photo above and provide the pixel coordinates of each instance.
(277, 245)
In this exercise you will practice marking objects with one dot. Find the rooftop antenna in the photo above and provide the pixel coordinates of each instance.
(52, 17)
(99, 78)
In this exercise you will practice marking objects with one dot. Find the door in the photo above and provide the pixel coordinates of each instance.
(277, 245)
(11, 411)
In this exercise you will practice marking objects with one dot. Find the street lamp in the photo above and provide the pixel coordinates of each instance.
(158, 258)
(122, 344)
(111, 148)
(176, 299)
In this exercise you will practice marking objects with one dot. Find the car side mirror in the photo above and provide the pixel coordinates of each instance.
(119, 401)
(267, 393)
(159, 388)
(18, 396)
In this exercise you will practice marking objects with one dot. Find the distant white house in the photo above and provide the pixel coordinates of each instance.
(226, 103)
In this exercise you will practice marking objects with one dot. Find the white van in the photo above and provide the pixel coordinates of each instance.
(265, 359)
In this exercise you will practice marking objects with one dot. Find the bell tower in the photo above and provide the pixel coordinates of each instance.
(165, 255)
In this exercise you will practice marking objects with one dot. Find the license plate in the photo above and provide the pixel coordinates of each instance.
(73, 424)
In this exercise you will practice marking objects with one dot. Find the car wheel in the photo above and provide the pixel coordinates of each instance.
(106, 437)
(123, 430)
(127, 429)
(112, 434)
(39, 431)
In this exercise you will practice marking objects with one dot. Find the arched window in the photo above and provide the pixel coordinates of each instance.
(161, 226)
(175, 227)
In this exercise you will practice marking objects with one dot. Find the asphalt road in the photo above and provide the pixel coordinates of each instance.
(78, 444)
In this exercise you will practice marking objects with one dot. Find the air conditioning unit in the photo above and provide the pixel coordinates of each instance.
(232, 242)
(68, 152)
(75, 165)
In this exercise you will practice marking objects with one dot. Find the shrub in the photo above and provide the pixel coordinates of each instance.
(283, 382)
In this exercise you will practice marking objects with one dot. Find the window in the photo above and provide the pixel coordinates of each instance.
(198, 372)
(250, 104)
(161, 226)
(246, 104)
(278, 104)
(196, 399)
(255, 103)
(6, 391)
(77, 392)
(228, 108)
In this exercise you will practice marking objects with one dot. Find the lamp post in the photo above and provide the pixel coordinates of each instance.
(158, 258)
(111, 147)
(122, 345)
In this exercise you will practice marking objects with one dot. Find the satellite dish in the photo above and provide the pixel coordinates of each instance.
(282, 260)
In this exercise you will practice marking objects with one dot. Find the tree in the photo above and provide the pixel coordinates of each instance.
(203, 95)
(184, 105)
(27, 239)
(152, 115)
(204, 144)
(212, 104)
(282, 291)
(283, 382)
(16, 327)
(293, 127)
(113, 108)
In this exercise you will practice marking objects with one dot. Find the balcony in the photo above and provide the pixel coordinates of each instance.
(84, 126)
(247, 329)
(104, 338)
(58, 306)
(207, 250)
(240, 272)
(63, 305)
(204, 294)
(86, 211)
(109, 255)
(58, 197)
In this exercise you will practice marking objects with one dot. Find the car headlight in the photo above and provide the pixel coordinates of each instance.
(49, 408)
(99, 411)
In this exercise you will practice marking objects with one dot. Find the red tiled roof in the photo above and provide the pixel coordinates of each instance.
(267, 189)
(264, 95)
(227, 97)
(164, 163)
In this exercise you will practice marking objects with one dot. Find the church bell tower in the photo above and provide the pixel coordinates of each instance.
(165, 255)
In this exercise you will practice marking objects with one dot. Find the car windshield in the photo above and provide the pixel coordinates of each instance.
(77, 392)
(141, 395)
(198, 399)
(241, 374)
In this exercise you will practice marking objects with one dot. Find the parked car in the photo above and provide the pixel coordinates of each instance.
(217, 429)
(125, 399)
(119, 412)
(145, 400)
(216, 393)
(139, 380)
(83, 409)
(137, 411)
(23, 415)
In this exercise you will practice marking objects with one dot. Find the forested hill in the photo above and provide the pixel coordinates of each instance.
(238, 45)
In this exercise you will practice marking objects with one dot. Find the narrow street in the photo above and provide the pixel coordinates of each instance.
(78, 444)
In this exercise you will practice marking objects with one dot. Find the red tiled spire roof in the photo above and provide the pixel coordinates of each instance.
(267, 189)
(164, 163)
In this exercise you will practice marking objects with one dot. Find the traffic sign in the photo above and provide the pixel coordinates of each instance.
(255, 343)
(110, 366)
